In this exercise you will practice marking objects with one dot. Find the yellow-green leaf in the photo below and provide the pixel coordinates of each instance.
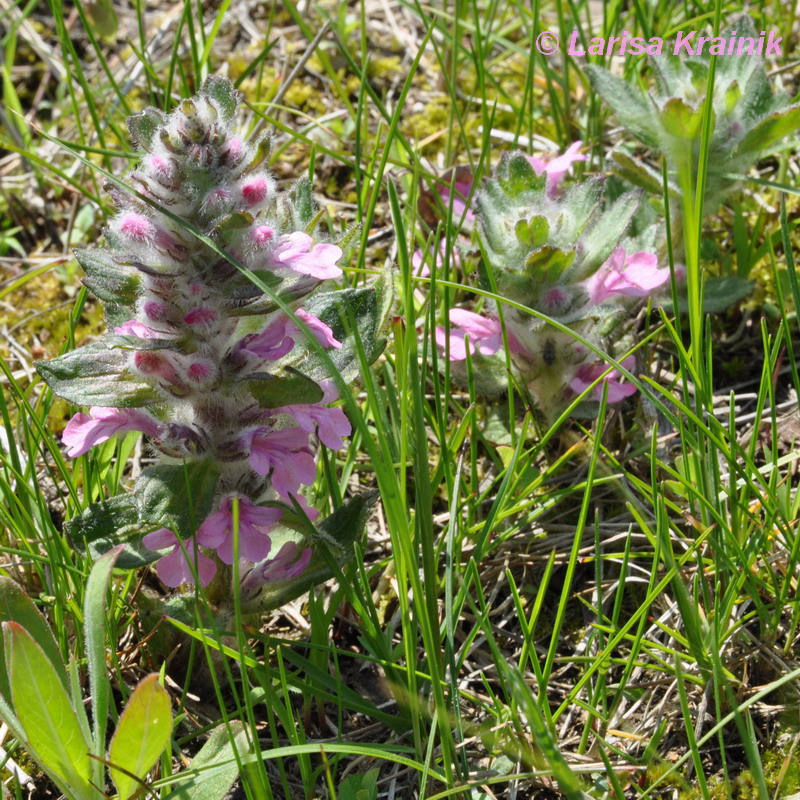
(141, 736)
(44, 710)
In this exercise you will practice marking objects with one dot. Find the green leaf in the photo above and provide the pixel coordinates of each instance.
(719, 294)
(630, 105)
(547, 265)
(103, 18)
(302, 204)
(516, 176)
(215, 765)
(224, 95)
(771, 130)
(177, 496)
(350, 313)
(362, 786)
(16, 606)
(42, 705)
(639, 174)
(533, 232)
(111, 518)
(605, 235)
(681, 120)
(94, 620)
(290, 387)
(106, 279)
(141, 736)
(95, 375)
(142, 127)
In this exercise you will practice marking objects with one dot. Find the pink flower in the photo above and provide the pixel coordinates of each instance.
(485, 335)
(85, 431)
(285, 453)
(280, 336)
(174, 568)
(322, 333)
(298, 252)
(272, 343)
(135, 328)
(284, 566)
(634, 276)
(617, 391)
(137, 226)
(556, 168)
(331, 424)
(459, 199)
(255, 522)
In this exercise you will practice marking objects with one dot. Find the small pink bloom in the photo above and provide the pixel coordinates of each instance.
(284, 566)
(262, 235)
(201, 371)
(255, 522)
(201, 317)
(161, 166)
(459, 199)
(322, 333)
(85, 431)
(636, 275)
(617, 391)
(135, 328)
(485, 335)
(217, 201)
(330, 424)
(284, 453)
(255, 190)
(156, 311)
(156, 365)
(174, 567)
(137, 226)
(556, 168)
(298, 252)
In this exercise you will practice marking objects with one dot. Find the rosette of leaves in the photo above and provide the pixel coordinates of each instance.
(200, 266)
(748, 119)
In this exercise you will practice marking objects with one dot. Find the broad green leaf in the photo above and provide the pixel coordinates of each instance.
(771, 130)
(16, 606)
(681, 120)
(224, 95)
(105, 278)
(350, 313)
(604, 237)
(94, 375)
(362, 786)
(628, 102)
(289, 387)
(114, 521)
(215, 765)
(51, 727)
(94, 620)
(177, 496)
(142, 734)
(516, 176)
(142, 127)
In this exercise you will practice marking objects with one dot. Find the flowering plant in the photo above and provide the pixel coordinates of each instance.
(210, 355)
(747, 118)
(561, 254)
